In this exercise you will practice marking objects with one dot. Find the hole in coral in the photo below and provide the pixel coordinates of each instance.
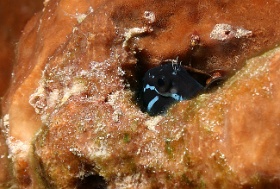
(161, 86)
(93, 182)
(227, 32)
(157, 91)
(166, 84)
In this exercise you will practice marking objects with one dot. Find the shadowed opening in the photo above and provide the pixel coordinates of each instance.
(92, 182)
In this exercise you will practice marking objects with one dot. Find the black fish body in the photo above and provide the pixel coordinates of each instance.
(165, 85)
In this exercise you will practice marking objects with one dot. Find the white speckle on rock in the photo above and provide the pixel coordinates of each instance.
(152, 123)
(17, 148)
(76, 152)
(6, 123)
(150, 16)
(76, 89)
(74, 29)
(98, 151)
(81, 17)
(54, 95)
(37, 99)
(223, 32)
(133, 32)
(241, 32)
(45, 3)
(121, 72)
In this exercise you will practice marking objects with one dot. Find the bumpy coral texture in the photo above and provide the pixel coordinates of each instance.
(81, 120)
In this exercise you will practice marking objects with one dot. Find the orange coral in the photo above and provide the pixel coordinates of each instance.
(77, 90)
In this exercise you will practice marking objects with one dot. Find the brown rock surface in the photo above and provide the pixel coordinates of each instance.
(70, 113)
(13, 17)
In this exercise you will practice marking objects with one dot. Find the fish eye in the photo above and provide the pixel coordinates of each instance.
(163, 84)
(161, 81)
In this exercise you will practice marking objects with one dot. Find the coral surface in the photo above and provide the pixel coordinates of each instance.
(13, 17)
(71, 117)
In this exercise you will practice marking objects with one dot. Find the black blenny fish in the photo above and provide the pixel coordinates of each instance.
(165, 85)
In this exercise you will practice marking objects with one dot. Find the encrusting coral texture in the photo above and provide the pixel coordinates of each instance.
(72, 118)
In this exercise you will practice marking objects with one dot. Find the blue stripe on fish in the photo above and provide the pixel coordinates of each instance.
(151, 103)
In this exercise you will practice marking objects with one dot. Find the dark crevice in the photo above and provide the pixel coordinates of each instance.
(208, 81)
(200, 61)
(92, 182)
